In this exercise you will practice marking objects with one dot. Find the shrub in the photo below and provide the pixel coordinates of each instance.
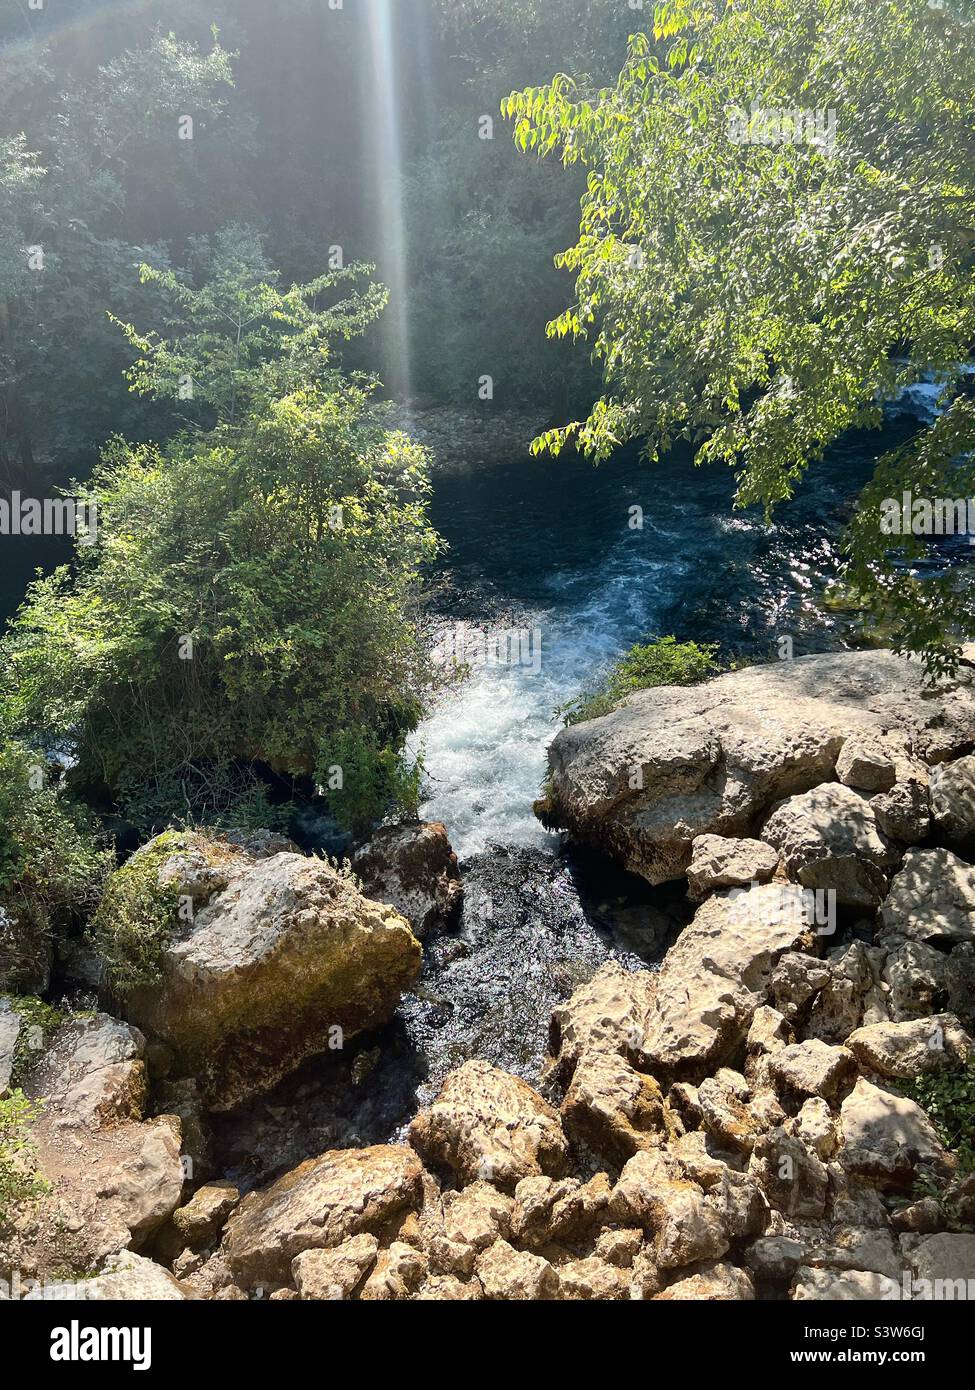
(948, 1096)
(18, 1181)
(662, 662)
(40, 1020)
(136, 918)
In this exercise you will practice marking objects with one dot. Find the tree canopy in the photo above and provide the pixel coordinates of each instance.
(776, 235)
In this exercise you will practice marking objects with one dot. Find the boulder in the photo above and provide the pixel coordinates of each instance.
(608, 1014)
(853, 993)
(866, 764)
(488, 1124)
(828, 838)
(92, 1072)
(885, 1136)
(953, 798)
(592, 1280)
(793, 1178)
(334, 1274)
(715, 976)
(676, 762)
(284, 960)
(130, 1278)
(905, 1050)
(946, 1264)
(10, 1029)
(319, 1205)
(932, 898)
(812, 1068)
(414, 870)
(612, 1109)
(509, 1274)
(205, 1214)
(719, 862)
(903, 813)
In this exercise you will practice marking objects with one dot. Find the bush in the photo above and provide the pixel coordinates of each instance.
(662, 662)
(18, 1181)
(251, 601)
(53, 863)
(39, 1020)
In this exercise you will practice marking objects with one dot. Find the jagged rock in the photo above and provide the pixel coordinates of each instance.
(487, 1124)
(284, 957)
(547, 1211)
(414, 870)
(865, 764)
(477, 1216)
(953, 798)
(793, 1178)
(92, 1072)
(398, 1273)
(922, 1218)
(506, 1273)
(713, 1282)
(608, 1014)
(932, 898)
(739, 1204)
(715, 976)
(846, 1286)
(885, 1135)
(635, 1198)
(828, 838)
(182, 1099)
(677, 762)
(870, 1249)
(944, 1261)
(205, 1214)
(318, 1205)
(611, 1108)
(334, 1274)
(591, 1279)
(903, 813)
(619, 1245)
(853, 994)
(814, 1127)
(922, 981)
(687, 1227)
(726, 1115)
(904, 1050)
(718, 862)
(812, 1068)
(796, 979)
(769, 1031)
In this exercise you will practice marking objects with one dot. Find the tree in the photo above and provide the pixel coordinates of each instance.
(777, 235)
(251, 599)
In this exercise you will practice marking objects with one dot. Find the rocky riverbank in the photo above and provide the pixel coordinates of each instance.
(745, 1121)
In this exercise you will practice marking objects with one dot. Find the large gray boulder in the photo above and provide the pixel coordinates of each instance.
(828, 838)
(932, 898)
(412, 868)
(677, 762)
(285, 959)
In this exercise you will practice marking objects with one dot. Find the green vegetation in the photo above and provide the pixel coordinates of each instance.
(18, 1181)
(948, 1096)
(760, 294)
(251, 600)
(40, 1020)
(664, 661)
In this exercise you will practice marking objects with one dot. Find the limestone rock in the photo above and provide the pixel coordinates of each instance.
(608, 1014)
(812, 1068)
(93, 1072)
(885, 1135)
(932, 898)
(842, 1286)
(905, 1050)
(711, 1282)
(414, 870)
(828, 838)
(688, 1228)
(205, 1214)
(591, 1279)
(953, 798)
(487, 1124)
(793, 1178)
(318, 1205)
(866, 764)
(611, 1108)
(718, 862)
(715, 976)
(130, 1278)
(509, 1274)
(10, 1028)
(286, 952)
(945, 1258)
(713, 758)
(334, 1274)
(398, 1273)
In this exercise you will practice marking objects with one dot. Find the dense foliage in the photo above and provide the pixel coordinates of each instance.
(251, 596)
(776, 235)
